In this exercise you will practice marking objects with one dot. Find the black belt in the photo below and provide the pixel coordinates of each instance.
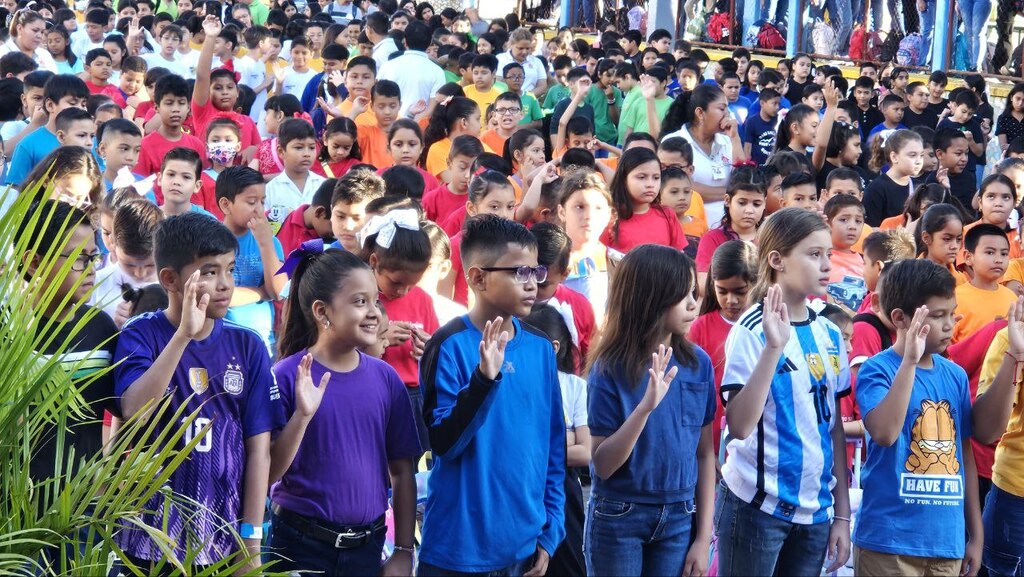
(341, 536)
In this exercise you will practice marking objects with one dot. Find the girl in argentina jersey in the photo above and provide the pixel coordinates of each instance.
(783, 501)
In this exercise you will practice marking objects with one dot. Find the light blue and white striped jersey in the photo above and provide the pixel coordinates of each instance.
(785, 466)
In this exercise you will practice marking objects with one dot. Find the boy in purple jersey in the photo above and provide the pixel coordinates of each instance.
(221, 370)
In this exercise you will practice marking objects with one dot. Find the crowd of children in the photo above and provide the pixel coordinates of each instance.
(366, 244)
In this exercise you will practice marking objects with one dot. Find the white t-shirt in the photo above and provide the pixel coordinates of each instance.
(190, 61)
(533, 69)
(383, 50)
(710, 169)
(81, 44)
(418, 78)
(107, 294)
(295, 82)
(253, 73)
(574, 399)
(175, 66)
(283, 196)
(40, 55)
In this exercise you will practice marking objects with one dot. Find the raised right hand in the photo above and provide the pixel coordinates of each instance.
(212, 26)
(492, 348)
(193, 307)
(1015, 328)
(775, 319)
(659, 380)
(917, 335)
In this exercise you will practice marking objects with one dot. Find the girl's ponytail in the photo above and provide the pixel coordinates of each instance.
(316, 275)
(732, 258)
(519, 140)
(444, 117)
(796, 115)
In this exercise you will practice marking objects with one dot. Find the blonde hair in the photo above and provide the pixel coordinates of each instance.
(780, 233)
(520, 34)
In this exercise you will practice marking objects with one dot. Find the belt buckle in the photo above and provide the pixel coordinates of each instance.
(338, 542)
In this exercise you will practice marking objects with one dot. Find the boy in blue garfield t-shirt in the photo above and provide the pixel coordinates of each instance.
(493, 409)
(920, 482)
(213, 367)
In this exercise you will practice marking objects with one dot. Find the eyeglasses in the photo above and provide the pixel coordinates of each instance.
(504, 111)
(82, 261)
(523, 274)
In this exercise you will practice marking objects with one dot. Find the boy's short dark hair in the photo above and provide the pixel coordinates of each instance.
(334, 52)
(966, 98)
(236, 179)
(769, 76)
(135, 224)
(683, 45)
(385, 89)
(644, 136)
(944, 138)
(68, 115)
(486, 237)
(914, 86)
(11, 90)
(466, 145)
(864, 82)
(48, 223)
(741, 52)
(890, 100)
(357, 186)
(98, 16)
(578, 126)
(403, 181)
(466, 60)
(794, 180)
(768, 94)
(839, 202)
(810, 89)
(729, 65)
(626, 68)
(561, 61)
(363, 61)
(95, 53)
(510, 67)
(229, 35)
(510, 97)
(633, 36)
(659, 34)
(687, 65)
(185, 155)
(96, 101)
(699, 56)
(170, 85)
(939, 77)
(679, 145)
(37, 78)
(118, 126)
(843, 173)
(254, 35)
(15, 63)
(973, 236)
(63, 85)
(175, 30)
(578, 157)
(183, 239)
(488, 61)
(576, 74)
(868, 64)
(133, 64)
(927, 135)
(322, 196)
(909, 283)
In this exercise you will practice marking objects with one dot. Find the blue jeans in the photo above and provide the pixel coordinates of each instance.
(975, 14)
(636, 538)
(927, 19)
(751, 542)
(840, 13)
(295, 551)
(513, 570)
(1003, 519)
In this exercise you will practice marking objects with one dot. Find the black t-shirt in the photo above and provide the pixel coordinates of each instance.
(961, 185)
(884, 198)
(827, 168)
(795, 91)
(91, 351)
(927, 118)
(974, 127)
(937, 108)
(583, 109)
(1009, 126)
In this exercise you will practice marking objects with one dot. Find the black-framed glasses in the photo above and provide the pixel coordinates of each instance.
(523, 274)
(82, 261)
(504, 111)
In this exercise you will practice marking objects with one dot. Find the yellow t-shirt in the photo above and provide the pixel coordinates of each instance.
(1008, 470)
(482, 99)
(1014, 272)
(316, 64)
(979, 307)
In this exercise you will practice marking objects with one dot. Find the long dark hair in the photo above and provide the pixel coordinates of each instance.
(683, 108)
(317, 278)
(444, 118)
(630, 160)
(934, 219)
(69, 54)
(732, 258)
(649, 280)
(743, 179)
(547, 319)
(796, 115)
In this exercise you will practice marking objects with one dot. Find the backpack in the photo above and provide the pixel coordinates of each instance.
(874, 321)
(823, 38)
(770, 37)
(874, 46)
(887, 52)
(910, 49)
(858, 41)
(961, 58)
(718, 27)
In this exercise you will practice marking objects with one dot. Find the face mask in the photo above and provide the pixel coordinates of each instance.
(222, 153)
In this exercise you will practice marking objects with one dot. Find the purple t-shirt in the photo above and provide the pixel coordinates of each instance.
(227, 378)
(340, 472)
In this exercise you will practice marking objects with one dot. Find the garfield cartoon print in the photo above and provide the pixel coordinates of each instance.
(933, 441)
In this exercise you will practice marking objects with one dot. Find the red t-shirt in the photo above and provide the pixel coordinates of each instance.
(453, 224)
(582, 317)
(293, 230)
(143, 109)
(203, 115)
(337, 169)
(658, 225)
(461, 292)
(416, 306)
(429, 180)
(441, 202)
(709, 333)
(711, 240)
(110, 90)
(207, 196)
(155, 147)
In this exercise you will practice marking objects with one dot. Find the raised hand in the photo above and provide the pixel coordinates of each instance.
(775, 319)
(583, 85)
(1015, 328)
(492, 348)
(328, 108)
(648, 86)
(307, 395)
(942, 177)
(280, 73)
(212, 26)
(359, 105)
(193, 308)
(917, 335)
(831, 94)
(660, 378)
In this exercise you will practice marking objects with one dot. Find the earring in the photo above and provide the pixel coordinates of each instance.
(327, 324)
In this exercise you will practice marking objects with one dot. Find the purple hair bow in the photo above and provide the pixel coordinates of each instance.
(308, 249)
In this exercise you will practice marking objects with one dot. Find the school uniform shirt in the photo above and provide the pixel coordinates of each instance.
(336, 169)
(698, 223)
(709, 243)
(294, 231)
(207, 195)
(914, 490)
(258, 316)
(108, 89)
(441, 202)
(460, 292)
(284, 196)
(1009, 126)
(1011, 235)
(972, 355)
(203, 115)
(588, 275)
(226, 378)
(927, 118)
(295, 82)
(107, 293)
(574, 400)
(364, 118)
(417, 76)
(533, 69)
(662, 468)
(531, 108)
(483, 99)
(658, 225)
(555, 94)
(382, 51)
(253, 73)
(882, 128)
(795, 92)
(29, 152)
(494, 140)
(760, 133)
(784, 467)
(974, 127)
(175, 65)
(582, 110)
(884, 198)
(1008, 468)
(417, 308)
(755, 106)
(962, 185)
(978, 307)
(604, 129)
(155, 147)
(710, 332)
(867, 121)
(496, 490)
(367, 406)
(452, 225)
(710, 169)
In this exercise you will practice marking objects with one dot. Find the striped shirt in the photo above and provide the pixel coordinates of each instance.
(785, 466)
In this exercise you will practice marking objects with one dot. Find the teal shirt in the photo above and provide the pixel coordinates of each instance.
(604, 128)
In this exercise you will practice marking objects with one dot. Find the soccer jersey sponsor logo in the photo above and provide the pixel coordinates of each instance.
(198, 379)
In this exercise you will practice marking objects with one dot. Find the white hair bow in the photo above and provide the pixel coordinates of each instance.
(385, 225)
(565, 311)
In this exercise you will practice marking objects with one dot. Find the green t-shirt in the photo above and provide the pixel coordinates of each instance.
(531, 109)
(604, 128)
(450, 76)
(555, 93)
(634, 115)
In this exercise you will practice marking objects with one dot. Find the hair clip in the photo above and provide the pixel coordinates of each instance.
(307, 250)
(386, 225)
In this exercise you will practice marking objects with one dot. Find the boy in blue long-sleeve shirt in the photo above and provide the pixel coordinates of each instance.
(495, 499)
(60, 92)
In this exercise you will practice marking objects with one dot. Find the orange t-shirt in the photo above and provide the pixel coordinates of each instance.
(858, 247)
(979, 307)
(698, 224)
(892, 222)
(373, 143)
(845, 263)
(366, 118)
(494, 140)
(437, 156)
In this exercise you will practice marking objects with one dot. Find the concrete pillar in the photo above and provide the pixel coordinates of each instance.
(941, 34)
(793, 27)
(662, 14)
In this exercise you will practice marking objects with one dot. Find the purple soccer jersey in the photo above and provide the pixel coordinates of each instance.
(227, 377)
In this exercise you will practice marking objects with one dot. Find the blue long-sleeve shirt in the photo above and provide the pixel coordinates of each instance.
(496, 489)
